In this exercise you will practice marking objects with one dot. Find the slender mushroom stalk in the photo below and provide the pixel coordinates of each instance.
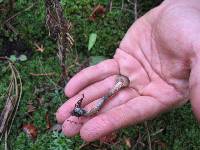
(121, 82)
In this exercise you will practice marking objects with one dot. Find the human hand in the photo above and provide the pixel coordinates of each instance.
(160, 56)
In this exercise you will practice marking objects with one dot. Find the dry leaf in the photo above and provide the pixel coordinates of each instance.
(48, 123)
(39, 48)
(99, 10)
(30, 107)
(128, 142)
(30, 130)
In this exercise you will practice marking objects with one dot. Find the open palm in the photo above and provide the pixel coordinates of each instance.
(156, 55)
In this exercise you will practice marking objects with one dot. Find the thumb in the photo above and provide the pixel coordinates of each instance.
(194, 86)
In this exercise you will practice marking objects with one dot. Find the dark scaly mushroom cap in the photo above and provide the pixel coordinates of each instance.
(78, 112)
(125, 80)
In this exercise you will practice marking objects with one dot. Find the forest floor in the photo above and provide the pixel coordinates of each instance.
(24, 22)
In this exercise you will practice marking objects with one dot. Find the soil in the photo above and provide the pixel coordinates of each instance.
(15, 47)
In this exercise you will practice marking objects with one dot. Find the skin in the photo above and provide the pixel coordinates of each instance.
(160, 54)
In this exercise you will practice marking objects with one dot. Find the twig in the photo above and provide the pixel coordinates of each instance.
(148, 135)
(42, 69)
(14, 93)
(135, 10)
(5, 113)
(130, 2)
(110, 5)
(6, 144)
(18, 13)
(138, 142)
(42, 74)
(18, 93)
(11, 27)
(56, 86)
(157, 132)
(83, 145)
(122, 7)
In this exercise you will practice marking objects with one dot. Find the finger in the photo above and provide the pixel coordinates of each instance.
(91, 93)
(91, 75)
(72, 125)
(194, 86)
(133, 69)
(132, 112)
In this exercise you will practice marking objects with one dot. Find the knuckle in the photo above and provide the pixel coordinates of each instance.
(85, 71)
(107, 66)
